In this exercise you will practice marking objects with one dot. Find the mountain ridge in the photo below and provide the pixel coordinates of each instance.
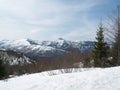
(36, 49)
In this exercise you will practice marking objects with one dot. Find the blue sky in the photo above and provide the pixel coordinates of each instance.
(52, 19)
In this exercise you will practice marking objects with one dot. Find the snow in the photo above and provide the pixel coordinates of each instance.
(20, 42)
(15, 58)
(95, 79)
(40, 48)
(36, 49)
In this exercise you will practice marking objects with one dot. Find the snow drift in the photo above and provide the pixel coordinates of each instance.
(94, 79)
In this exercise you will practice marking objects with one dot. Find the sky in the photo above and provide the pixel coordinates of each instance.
(53, 19)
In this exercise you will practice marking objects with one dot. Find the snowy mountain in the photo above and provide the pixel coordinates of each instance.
(94, 79)
(64, 44)
(37, 49)
(14, 58)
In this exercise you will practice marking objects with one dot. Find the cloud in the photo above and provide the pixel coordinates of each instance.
(45, 22)
(42, 9)
(85, 32)
(39, 19)
(34, 31)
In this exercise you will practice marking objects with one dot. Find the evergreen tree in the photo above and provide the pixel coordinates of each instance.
(2, 69)
(100, 51)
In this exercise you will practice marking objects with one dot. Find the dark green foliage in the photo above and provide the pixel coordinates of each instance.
(2, 69)
(100, 51)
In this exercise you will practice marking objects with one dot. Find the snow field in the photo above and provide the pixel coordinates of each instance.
(94, 79)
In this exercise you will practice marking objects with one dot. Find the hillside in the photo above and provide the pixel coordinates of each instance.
(95, 79)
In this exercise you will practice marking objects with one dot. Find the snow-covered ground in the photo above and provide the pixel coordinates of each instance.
(93, 79)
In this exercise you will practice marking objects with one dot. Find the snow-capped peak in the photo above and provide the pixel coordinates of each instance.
(20, 42)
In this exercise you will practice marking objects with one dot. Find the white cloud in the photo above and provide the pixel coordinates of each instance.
(39, 19)
(6, 20)
(34, 31)
(45, 22)
(85, 32)
(41, 9)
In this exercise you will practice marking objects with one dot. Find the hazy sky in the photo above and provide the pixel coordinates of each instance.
(51, 19)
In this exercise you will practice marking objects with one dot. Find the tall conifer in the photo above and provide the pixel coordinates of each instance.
(100, 51)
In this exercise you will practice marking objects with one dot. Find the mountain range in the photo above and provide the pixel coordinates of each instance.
(34, 49)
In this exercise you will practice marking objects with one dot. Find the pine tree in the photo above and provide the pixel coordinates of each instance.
(2, 69)
(100, 51)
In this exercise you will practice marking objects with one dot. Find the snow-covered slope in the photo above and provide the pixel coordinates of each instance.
(14, 58)
(36, 49)
(96, 79)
